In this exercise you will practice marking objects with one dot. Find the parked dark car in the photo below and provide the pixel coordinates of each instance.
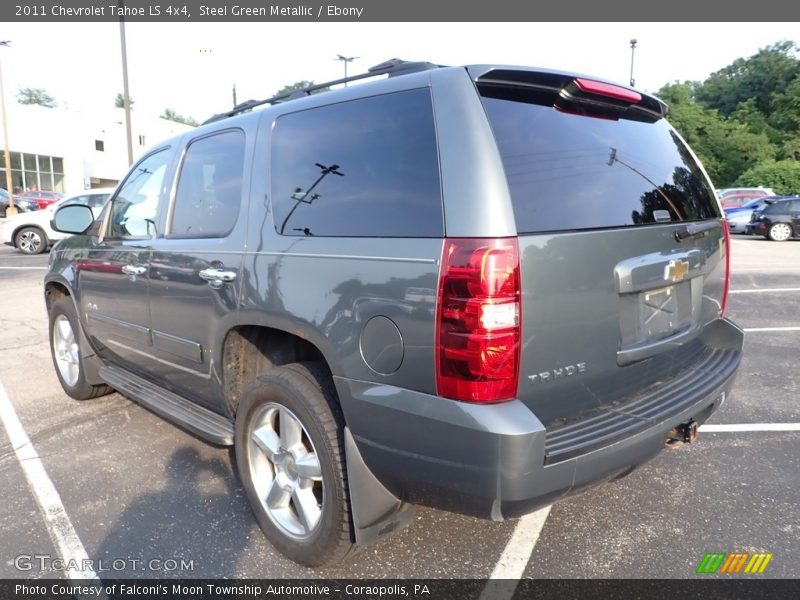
(21, 204)
(739, 218)
(483, 312)
(779, 221)
(42, 198)
(756, 204)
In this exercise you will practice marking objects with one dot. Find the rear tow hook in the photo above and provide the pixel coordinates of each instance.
(685, 432)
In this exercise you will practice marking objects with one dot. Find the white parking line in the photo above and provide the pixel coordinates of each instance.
(515, 557)
(757, 329)
(740, 427)
(59, 526)
(513, 561)
(765, 291)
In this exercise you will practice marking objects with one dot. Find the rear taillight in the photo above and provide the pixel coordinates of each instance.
(478, 320)
(727, 283)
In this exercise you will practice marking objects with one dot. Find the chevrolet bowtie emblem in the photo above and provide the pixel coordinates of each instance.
(676, 270)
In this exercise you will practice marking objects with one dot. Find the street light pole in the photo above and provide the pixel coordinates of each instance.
(7, 155)
(126, 96)
(345, 60)
(633, 49)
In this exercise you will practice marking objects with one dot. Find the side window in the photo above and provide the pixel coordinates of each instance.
(97, 200)
(210, 186)
(366, 167)
(133, 213)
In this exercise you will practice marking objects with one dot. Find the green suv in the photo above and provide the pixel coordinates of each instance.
(480, 289)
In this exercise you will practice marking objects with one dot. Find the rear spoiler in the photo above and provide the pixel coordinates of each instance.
(570, 93)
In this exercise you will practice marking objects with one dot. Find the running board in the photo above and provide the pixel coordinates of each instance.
(194, 418)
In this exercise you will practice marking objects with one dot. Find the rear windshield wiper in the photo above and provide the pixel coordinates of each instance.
(693, 230)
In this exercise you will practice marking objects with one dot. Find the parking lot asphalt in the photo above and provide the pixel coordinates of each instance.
(145, 494)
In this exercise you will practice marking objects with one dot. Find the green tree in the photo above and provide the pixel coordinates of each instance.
(725, 146)
(747, 113)
(744, 120)
(119, 101)
(783, 176)
(35, 96)
(171, 115)
(759, 77)
(786, 107)
(791, 148)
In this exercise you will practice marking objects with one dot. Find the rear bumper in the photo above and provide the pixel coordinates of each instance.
(490, 461)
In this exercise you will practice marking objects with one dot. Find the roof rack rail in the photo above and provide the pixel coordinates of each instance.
(392, 67)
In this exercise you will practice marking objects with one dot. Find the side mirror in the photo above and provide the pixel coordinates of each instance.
(74, 218)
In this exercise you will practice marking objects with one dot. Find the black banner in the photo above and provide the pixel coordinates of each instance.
(382, 11)
(386, 589)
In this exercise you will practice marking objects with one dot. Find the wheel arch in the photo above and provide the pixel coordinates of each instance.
(251, 349)
(56, 288)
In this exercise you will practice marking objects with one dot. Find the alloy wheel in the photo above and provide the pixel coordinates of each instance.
(285, 471)
(780, 232)
(30, 242)
(66, 351)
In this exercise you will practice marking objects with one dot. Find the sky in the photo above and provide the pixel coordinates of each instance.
(192, 67)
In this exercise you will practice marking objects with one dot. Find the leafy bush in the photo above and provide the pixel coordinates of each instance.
(783, 176)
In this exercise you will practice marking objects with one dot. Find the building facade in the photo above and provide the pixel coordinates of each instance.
(70, 151)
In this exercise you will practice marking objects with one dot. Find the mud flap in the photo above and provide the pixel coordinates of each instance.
(377, 513)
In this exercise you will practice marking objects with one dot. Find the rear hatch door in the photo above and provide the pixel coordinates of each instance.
(622, 254)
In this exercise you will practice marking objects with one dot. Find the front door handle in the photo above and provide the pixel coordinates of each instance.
(217, 275)
(134, 269)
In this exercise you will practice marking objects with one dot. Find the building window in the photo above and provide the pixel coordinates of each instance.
(141, 140)
(99, 145)
(32, 171)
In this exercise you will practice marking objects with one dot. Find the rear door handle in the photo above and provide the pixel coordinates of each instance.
(134, 269)
(217, 275)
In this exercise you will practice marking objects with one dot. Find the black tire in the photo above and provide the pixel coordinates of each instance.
(31, 240)
(306, 390)
(76, 387)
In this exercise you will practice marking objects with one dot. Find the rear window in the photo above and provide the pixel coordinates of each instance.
(782, 207)
(569, 171)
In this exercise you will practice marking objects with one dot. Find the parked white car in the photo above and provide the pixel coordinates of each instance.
(31, 233)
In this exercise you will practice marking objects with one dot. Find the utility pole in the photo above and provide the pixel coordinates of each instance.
(345, 60)
(11, 210)
(633, 49)
(125, 95)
